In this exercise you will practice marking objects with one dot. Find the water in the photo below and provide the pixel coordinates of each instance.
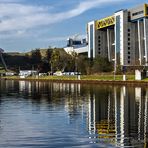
(48, 115)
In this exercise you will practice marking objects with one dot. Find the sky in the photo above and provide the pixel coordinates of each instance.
(30, 24)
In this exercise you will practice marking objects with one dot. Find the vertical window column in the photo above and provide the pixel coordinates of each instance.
(99, 45)
(139, 40)
(91, 40)
(146, 39)
(108, 45)
(117, 37)
(129, 45)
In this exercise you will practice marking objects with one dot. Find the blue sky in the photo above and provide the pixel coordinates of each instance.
(29, 24)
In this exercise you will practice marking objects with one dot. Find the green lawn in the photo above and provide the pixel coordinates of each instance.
(2, 70)
(83, 77)
(107, 77)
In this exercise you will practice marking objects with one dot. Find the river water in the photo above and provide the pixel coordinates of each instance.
(48, 115)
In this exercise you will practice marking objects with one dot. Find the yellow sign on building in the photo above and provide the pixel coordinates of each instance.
(145, 9)
(105, 22)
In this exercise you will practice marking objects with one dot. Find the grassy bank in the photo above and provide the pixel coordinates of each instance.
(87, 79)
(82, 77)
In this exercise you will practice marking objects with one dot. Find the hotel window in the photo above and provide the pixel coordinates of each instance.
(128, 39)
(128, 30)
(128, 34)
(129, 57)
(129, 52)
(128, 48)
(128, 44)
(128, 62)
(99, 52)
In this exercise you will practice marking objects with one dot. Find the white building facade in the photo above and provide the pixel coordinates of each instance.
(122, 37)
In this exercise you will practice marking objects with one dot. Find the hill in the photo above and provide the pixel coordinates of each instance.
(27, 60)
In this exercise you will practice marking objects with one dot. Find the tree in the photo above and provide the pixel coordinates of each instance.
(62, 61)
(36, 56)
(83, 64)
(48, 54)
(66, 61)
(55, 59)
(102, 64)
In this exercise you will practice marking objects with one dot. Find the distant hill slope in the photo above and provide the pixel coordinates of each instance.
(42, 51)
(16, 60)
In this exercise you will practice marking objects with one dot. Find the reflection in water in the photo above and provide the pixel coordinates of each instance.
(145, 120)
(91, 112)
(73, 115)
(121, 117)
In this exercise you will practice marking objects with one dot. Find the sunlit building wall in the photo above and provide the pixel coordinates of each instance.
(125, 32)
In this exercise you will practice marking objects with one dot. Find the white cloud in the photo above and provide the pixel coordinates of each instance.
(60, 38)
(10, 1)
(53, 39)
(15, 16)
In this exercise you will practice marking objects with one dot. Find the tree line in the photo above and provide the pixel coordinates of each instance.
(56, 59)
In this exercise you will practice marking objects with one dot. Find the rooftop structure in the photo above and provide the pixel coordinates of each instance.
(77, 45)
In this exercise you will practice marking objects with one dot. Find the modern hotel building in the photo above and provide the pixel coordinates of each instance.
(123, 36)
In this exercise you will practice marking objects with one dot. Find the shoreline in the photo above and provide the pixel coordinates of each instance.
(111, 82)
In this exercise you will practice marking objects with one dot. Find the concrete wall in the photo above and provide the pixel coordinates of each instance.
(137, 12)
(104, 40)
(101, 43)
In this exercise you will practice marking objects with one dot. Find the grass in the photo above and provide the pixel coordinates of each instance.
(146, 79)
(2, 71)
(83, 77)
(107, 77)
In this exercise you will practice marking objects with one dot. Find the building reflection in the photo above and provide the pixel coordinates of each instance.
(119, 116)
(91, 113)
(36, 86)
(146, 121)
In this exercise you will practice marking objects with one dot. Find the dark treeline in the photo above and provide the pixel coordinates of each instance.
(51, 60)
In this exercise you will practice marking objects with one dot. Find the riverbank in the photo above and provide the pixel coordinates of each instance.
(91, 79)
